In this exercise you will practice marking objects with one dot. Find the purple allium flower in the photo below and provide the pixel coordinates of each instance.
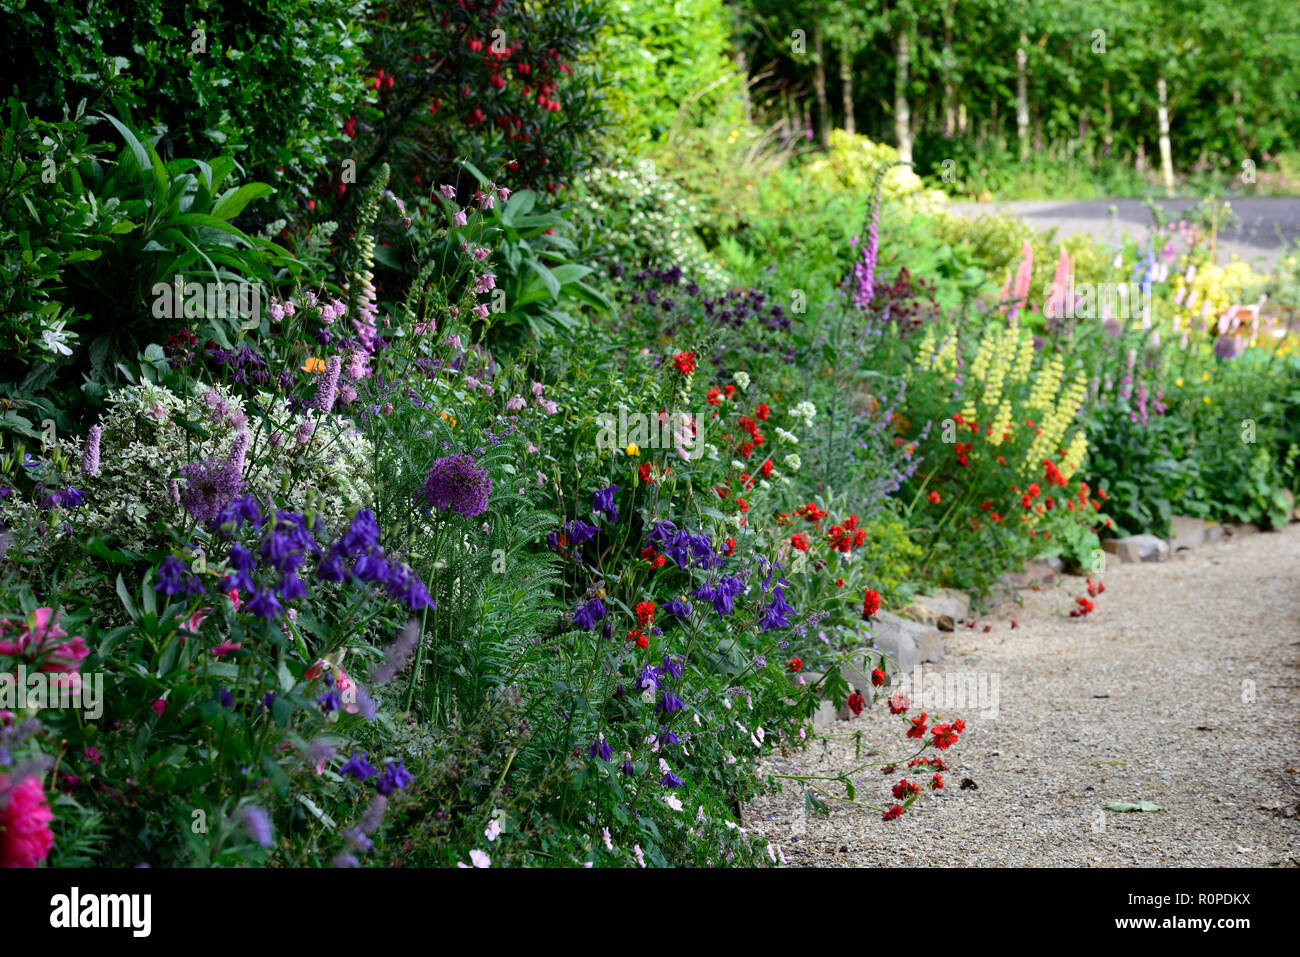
(359, 768)
(600, 749)
(327, 387)
(90, 458)
(1225, 347)
(603, 501)
(394, 777)
(457, 483)
(210, 486)
(587, 614)
(257, 824)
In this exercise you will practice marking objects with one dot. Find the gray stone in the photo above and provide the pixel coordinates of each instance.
(825, 715)
(1238, 529)
(949, 603)
(1186, 532)
(907, 642)
(1213, 532)
(1137, 548)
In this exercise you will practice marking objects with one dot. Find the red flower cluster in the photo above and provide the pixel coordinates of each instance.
(893, 813)
(685, 362)
(899, 703)
(1085, 606)
(654, 558)
(962, 449)
(645, 612)
(934, 497)
(800, 541)
(917, 730)
(944, 736)
(870, 604)
(904, 789)
(811, 512)
(877, 677)
(857, 703)
(796, 665)
(846, 536)
(935, 762)
(637, 635)
(750, 427)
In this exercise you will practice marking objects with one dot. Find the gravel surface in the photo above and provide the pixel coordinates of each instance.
(1181, 689)
(1268, 227)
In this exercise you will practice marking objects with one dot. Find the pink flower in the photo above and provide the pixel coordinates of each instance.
(549, 407)
(481, 253)
(159, 707)
(25, 815)
(458, 218)
(477, 859)
(485, 282)
(503, 193)
(226, 647)
(42, 644)
(448, 192)
(515, 403)
(484, 200)
(454, 341)
(481, 310)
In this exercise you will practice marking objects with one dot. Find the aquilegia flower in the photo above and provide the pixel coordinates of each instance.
(457, 483)
(603, 501)
(600, 749)
(359, 768)
(587, 614)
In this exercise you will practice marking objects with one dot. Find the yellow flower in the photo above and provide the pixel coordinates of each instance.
(1205, 377)
(1179, 383)
(633, 449)
(1205, 399)
(313, 365)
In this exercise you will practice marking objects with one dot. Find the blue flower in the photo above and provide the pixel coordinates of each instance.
(225, 698)
(291, 587)
(600, 748)
(678, 608)
(264, 604)
(587, 614)
(603, 501)
(669, 702)
(395, 777)
(175, 579)
(672, 667)
(330, 701)
(777, 613)
(649, 678)
(671, 780)
(362, 535)
(359, 768)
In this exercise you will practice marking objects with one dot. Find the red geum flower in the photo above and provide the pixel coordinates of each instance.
(893, 813)
(870, 603)
(934, 497)
(857, 703)
(903, 789)
(653, 557)
(685, 362)
(644, 472)
(800, 541)
(917, 730)
(944, 736)
(645, 612)
(766, 468)
(899, 703)
(762, 412)
(839, 583)
(796, 664)
(729, 546)
(936, 783)
(877, 677)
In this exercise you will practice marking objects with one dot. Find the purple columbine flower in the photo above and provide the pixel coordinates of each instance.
(669, 702)
(678, 608)
(603, 501)
(225, 698)
(359, 768)
(670, 780)
(90, 458)
(600, 749)
(587, 614)
(777, 613)
(672, 667)
(175, 579)
(395, 777)
(264, 604)
(457, 483)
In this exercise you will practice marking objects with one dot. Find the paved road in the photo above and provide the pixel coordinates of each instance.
(1256, 241)
(1182, 689)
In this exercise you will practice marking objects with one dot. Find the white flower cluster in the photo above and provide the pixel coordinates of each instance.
(741, 379)
(149, 433)
(805, 411)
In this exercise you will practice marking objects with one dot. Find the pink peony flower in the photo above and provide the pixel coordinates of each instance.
(25, 815)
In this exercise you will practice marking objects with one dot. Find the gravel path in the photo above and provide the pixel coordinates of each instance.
(1149, 698)
(1269, 225)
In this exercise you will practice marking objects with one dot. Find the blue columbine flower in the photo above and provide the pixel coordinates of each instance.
(603, 501)
(225, 698)
(359, 768)
(669, 702)
(667, 737)
(777, 613)
(175, 579)
(649, 678)
(600, 749)
(579, 532)
(678, 608)
(264, 604)
(330, 701)
(672, 666)
(291, 587)
(395, 777)
(671, 780)
(628, 769)
(587, 614)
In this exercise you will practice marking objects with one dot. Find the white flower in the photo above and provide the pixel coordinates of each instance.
(640, 858)
(806, 411)
(493, 830)
(742, 380)
(55, 338)
(738, 465)
(477, 859)
(785, 436)
(793, 462)
(604, 834)
(672, 802)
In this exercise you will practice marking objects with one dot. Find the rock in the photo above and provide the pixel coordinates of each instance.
(947, 601)
(1137, 548)
(907, 642)
(1239, 529)
(1186, 532)
(825, 715)
(1213, 532)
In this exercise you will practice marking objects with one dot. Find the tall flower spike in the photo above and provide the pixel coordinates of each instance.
(327, 387)
(90, 458)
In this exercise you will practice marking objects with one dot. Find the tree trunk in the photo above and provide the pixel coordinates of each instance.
(819, 85)
(1108, 120)
(1022, 99)
(949, 68)
(1166, 153)
(902, 115)
(846, 87)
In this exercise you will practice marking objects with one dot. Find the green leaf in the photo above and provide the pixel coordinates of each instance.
(232, 202)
